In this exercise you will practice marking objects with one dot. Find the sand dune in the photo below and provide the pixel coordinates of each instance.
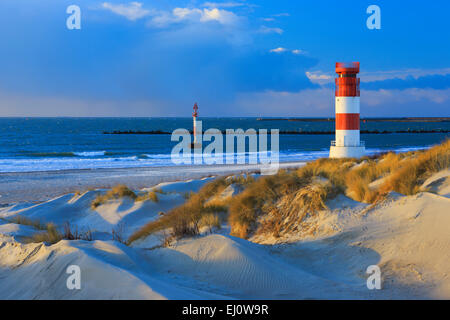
(412, 237)
(210, 267)
(439, 183)
(76, 210)
(108, 271)
(406, 236)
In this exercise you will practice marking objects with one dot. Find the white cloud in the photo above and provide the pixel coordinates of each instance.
(184, 13)
(132, 11)
(295, 51)
(298, 51)
(224, 17)
(223, 4)
(320, 103)
(278, 50)
(402, 74)
(321, 77)
(396, 96)
(281, 15)
(265, 29)
(272, 17)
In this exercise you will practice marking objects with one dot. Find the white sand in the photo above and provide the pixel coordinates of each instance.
(406, 236)
(125, 213)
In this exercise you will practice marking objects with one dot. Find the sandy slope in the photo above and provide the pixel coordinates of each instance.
(412, 237)
(439, 183)
(108, 271)
(210, 267)
(407, 237)
(124, 213)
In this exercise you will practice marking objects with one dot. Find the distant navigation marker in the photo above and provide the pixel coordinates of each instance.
(195, 144)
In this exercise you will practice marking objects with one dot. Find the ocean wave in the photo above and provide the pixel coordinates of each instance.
(97, 159)
(52, 154)
(90, 153)
(67, 154)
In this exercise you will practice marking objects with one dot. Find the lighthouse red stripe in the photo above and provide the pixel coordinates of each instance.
(347, 87)
(347, 121)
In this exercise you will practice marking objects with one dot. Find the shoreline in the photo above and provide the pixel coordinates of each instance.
(38, 186)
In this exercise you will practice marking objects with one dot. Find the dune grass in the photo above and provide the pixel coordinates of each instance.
(185, 219)
(48, 232)
(413, 171)
(149, 196)
(210, 221)
(117, 192)
(241, 180)
(52, 235)
(286, 198)
(262, 197)
(120, 191)
(35, 223)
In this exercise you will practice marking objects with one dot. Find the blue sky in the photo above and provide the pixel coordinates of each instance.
(235, 58)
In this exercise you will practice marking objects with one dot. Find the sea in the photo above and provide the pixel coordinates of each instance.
(49, 144)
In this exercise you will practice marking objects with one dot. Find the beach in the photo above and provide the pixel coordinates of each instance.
(325, 254)
(16, 187)
(406, 236)
(139, 226)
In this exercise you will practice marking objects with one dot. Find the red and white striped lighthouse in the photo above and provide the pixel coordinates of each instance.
(194, 118)
(347, 143)
(197, 129)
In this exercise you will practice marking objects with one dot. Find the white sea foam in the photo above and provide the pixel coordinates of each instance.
(90, 153)
(99, 159)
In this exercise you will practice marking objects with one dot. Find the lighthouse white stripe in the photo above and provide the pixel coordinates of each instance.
(347, 138)
(347, 104)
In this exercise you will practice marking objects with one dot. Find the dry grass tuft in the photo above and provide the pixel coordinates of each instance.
(118, 233)
(284, 199)
(292, 209)
(52, 235)
(279, 203)
(117, 192)
(185, 220)
(36, 223)
(149, 196)
(420, 165)
(210, 221)
(261, 196)
(242, 180)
